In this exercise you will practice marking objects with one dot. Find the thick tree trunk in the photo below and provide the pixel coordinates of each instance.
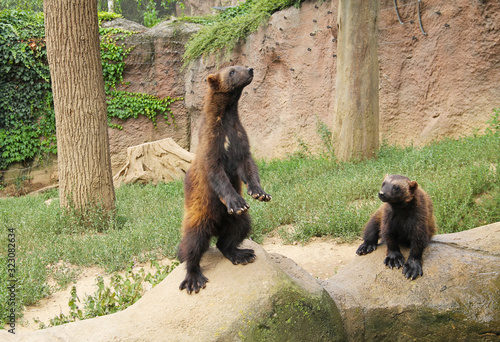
(356, 124)
(84, 161)
(111, 6)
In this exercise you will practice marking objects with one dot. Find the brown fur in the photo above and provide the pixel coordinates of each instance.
(213, 185)
(406, 218)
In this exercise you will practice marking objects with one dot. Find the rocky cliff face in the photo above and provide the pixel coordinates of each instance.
(153, 67)
(443, 84)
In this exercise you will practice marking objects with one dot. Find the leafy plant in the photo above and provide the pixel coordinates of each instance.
(122, 104)
(147, 12)
(122, 293)
(107, 16)
(222, 32)
(24, 85)
(113, 55)
(31, 5)
(27, 120)
(151, 14)
(325, 135)
(494, 123)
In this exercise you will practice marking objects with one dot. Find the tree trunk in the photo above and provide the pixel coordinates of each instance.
(84, 161)
(111, 6)
(356, 124)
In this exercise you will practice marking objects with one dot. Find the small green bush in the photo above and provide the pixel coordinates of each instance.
(122, 293)
(222, 32)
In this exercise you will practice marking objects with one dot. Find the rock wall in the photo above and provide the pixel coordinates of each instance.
(203, 7)
(443, 84)
(153, 67)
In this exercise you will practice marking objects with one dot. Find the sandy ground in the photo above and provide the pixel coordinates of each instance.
(322, 258)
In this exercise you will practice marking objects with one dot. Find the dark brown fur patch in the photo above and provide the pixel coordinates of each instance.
(405, 218)
(213, 204)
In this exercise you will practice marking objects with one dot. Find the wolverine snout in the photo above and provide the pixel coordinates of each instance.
(250, 71)
(382, 196)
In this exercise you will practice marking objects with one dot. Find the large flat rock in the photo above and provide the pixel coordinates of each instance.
(457, 299)
(270, 299)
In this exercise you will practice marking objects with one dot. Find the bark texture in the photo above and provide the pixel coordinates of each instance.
(356, 124)
(72, 34)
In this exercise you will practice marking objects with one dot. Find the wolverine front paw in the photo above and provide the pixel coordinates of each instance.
(194, 283)
(235, 206)
(394, 259)
(413, 268)
(259, 194)
(366, 248)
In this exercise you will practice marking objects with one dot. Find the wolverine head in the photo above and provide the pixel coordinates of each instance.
(397, 189)
(230, 79)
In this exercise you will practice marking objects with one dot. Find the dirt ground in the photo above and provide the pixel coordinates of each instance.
(24, 188)
(322, 258)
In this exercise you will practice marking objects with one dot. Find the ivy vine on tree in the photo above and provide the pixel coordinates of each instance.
(27, 121)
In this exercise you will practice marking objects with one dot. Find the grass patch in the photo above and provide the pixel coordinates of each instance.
(320, 197)
(312, 196)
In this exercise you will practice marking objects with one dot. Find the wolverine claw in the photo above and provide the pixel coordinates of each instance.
(236, 206)
(366, 248)
(240, 256)
(260, 195)
(241, 211)
(394, 259)
(194, 283)
(413, 269)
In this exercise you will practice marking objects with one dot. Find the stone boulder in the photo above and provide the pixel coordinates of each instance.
(124, 24)
(157, 161)
(457, 299)
(271, 299)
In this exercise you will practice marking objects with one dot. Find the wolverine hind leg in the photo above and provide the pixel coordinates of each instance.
(235, 230)
(194, 243)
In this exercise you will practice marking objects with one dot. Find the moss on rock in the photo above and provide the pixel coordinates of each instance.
(296, 315)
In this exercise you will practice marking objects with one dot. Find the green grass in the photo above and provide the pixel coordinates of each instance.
(320, 197)
(312, 196)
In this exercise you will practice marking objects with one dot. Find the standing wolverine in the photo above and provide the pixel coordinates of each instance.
(406, 218)
(213, 203)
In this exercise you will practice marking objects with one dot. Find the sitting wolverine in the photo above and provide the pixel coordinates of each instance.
(405, 218)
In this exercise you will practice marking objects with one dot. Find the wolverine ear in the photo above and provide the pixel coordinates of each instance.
(413, 185)
(214, 81)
